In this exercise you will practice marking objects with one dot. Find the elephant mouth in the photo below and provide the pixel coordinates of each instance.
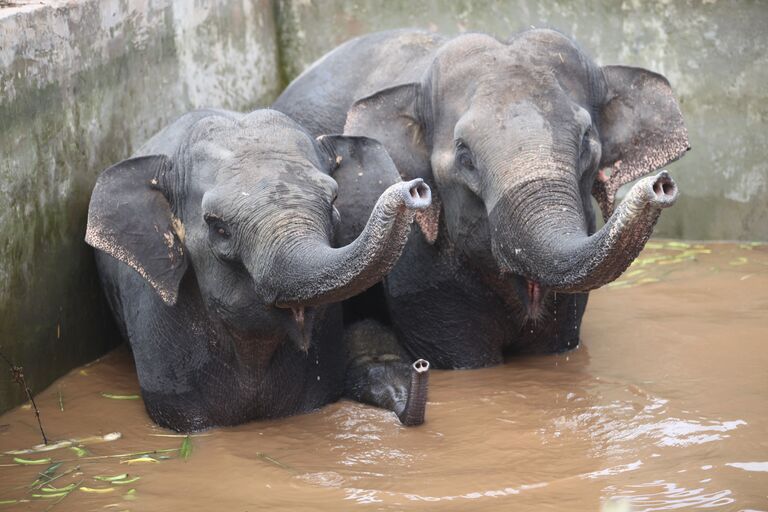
(527, 297)
(303, 317)
(532, 296)
(535, 299)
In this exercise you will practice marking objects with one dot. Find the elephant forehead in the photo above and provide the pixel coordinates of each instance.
(489, 116)
(497, 130)
(534, 63)
(276, 178)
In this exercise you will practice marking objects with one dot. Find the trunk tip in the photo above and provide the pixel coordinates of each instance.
(417, 194)
(664, 190)
(420, 366)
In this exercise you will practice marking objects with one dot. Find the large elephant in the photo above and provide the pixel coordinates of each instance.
(514, 137)
(216, 252)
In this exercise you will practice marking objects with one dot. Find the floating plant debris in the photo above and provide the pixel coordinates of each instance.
(100, 490)
(79, 451)
(30, 462)
(67, 443)
(126, 481)
(186, 448)
(105, 478)
(120, 397)
(139, 459)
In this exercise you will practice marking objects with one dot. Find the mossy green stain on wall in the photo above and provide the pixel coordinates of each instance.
(57, 137)
(52, 313)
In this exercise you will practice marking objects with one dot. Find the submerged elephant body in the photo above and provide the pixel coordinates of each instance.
(216, 252)
(515, 138)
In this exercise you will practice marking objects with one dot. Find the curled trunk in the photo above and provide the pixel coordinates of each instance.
(316, 273)
(555, 250)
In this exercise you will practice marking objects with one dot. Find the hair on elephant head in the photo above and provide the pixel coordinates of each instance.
(230, 220)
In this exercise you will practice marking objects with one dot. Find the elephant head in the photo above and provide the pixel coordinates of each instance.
(516, 137)
(248, 204)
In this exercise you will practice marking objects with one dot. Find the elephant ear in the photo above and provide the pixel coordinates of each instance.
(130, 219)
(392, 117)
(641, 129)
(363, 170)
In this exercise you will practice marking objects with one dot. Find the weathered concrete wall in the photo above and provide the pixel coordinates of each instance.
(714, 52)
(82, 84)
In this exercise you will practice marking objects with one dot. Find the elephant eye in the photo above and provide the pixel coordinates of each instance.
(217, 225)
(585, 145)
(464, 156)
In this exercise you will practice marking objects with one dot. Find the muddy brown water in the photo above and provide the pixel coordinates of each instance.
(663, 407)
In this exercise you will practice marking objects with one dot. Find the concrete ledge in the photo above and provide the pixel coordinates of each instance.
(82, 83)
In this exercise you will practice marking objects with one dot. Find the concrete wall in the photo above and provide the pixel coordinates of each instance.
(82, 84)
(714, 52)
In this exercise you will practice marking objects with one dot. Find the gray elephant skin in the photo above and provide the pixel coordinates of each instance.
(216, 250)
(514, 137)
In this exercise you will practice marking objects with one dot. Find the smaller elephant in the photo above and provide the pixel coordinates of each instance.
(216, 251)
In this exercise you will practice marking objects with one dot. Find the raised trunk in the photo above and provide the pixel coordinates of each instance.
(553, 248)
(314, 273)
(413, 414)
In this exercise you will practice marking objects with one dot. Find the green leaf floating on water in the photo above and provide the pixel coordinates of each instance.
(8, 502)
(126, 481)
(186, 448)
(50, 488)
(123, 479)
(51, 495)
(120, 397)
(143, 458)
(47, 475)
(105, 478)
(31, 462)
(79, 451)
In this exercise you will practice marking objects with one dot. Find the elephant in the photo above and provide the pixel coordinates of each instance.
(514, 137)
(215, 245)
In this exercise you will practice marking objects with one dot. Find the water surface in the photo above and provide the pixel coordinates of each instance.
(663, 406)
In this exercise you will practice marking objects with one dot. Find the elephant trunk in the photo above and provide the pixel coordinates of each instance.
(413, 414)
(550, 244)
(316, 273)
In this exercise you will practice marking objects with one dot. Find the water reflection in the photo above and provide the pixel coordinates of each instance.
(662, 495)
(760, 467)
